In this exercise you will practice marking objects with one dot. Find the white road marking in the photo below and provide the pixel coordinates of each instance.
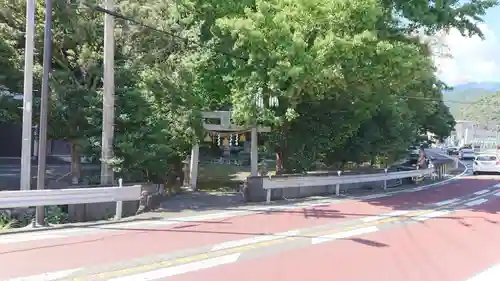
(135, 224)
(490, 274)
(214, 216)
(174, 221)
(28, 237)
(446, 202)
(379, 217)
(481, 191)
(253, 240)
(344, 234)
(497, 194)
(431, 215)
(47, 234)
(289, 207)
(476, 202)
(180, 269)
(368, 197)
(497, 185)
(50, 276)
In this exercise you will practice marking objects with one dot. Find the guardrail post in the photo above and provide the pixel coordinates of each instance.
(119, 204)
(456, 163)
(268, 195)
(337, 187)
(385, 180)
(417, 178)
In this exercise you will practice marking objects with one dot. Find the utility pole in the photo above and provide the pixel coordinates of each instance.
(108, 101)
(44, 107)
(28, 96)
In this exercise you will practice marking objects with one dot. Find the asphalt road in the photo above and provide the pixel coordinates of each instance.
(448, 233)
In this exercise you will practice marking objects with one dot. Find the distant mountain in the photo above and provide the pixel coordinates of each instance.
(488, 86)
(484, 111)
(462, 96)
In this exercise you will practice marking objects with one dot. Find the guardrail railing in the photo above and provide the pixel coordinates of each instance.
(71, 196)
(271, 183)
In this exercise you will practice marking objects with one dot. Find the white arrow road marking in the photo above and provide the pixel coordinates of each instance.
(476, 202)
(344, 234)
(431, 215)
(489, 274)
(446, 202)
(481, 191)
(253, 240)
(384, 216)
(179, 269)
(50, 276)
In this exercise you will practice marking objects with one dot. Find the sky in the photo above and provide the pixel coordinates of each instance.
(472, 59)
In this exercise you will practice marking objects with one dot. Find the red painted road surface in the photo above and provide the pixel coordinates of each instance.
(415, 249)
(450, 248)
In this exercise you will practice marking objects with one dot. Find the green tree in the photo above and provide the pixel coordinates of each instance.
(155, 118)
(10, 80)
(338, 81)
(299, 54)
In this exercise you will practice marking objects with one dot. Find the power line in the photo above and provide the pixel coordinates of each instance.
(137, 22)
(140, 23)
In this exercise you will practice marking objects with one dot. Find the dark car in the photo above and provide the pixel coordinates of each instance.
(452, 151)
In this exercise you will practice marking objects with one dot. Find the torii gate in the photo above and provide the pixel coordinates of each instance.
(225, 125)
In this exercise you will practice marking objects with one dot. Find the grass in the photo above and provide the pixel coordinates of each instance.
(6, 224)
(222, 177)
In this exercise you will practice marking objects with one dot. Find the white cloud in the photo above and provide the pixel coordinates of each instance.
(468, 59)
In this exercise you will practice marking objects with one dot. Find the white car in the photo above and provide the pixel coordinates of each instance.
(486, 163)
(466, 153)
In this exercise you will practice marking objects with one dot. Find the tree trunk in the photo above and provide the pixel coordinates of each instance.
(280, 150)
(279, 161)
(175, 175)
(180, 173)
(372, 161)
(76, 167)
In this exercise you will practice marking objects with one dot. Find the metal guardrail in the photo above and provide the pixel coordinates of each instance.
(271, 183)
(71, 196)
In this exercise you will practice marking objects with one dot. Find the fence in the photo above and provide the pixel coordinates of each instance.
(71, 196)
(271, 183)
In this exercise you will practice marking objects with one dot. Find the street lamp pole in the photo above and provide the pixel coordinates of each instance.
(28, 96)
(108, 102)
(44, 107)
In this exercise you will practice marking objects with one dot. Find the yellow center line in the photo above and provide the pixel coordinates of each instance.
(245, 248)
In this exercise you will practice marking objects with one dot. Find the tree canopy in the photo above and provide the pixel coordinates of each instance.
(337, 80)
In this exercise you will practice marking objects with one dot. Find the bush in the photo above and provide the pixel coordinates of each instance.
(53, 215)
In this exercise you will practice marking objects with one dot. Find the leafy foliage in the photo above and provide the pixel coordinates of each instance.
(338, 81)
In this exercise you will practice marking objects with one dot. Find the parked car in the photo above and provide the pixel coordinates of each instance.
(452, 150)
(486, 163)
(466, 153)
